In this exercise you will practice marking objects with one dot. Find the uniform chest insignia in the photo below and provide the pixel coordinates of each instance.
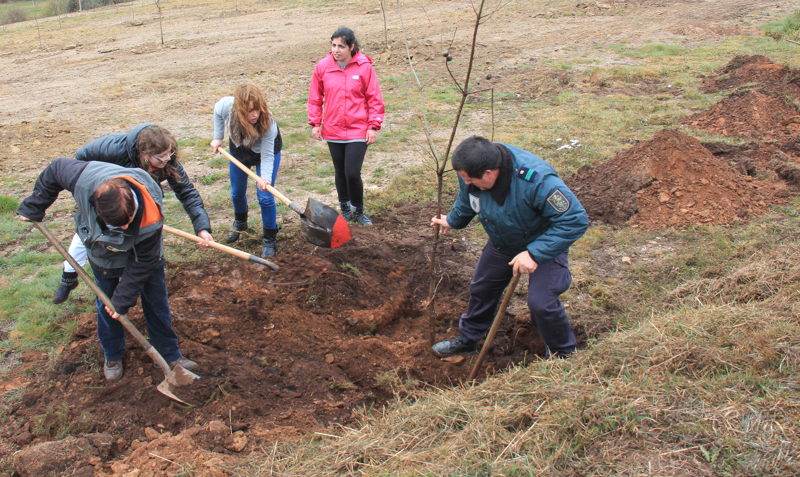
(558, 201)
(475, 203)
(526, 174)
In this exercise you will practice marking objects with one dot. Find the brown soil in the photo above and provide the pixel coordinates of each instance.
(674, 180)
(281, 355)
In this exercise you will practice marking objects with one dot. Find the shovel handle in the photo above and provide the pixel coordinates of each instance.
(252, 174)
(148, 348)
(223, 248)
(495, 326)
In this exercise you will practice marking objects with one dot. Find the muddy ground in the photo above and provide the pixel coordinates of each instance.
(336, 334)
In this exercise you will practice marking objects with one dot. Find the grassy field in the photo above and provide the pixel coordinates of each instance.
(700, 376)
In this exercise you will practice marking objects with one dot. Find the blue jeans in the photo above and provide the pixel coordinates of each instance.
(547, 283)
(155, 308)
(266, 200)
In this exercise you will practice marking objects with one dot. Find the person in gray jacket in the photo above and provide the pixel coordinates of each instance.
(154, 149)
(255, 140)
(531, 218)
(119, 220)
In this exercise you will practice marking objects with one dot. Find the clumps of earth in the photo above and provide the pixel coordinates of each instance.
(675, 180)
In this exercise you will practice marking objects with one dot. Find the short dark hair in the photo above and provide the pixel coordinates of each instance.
(347, 36)
(476, 155)
(113, 202)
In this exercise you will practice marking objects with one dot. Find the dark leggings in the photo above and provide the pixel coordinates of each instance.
(348, 157)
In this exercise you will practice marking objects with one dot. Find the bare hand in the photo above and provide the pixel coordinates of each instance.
(523, 263)
(215, 144)
(442, 222)
(316, 131)
(372, 136)
(207, 237)
(24, 219)
(113, 314)
(262, 184)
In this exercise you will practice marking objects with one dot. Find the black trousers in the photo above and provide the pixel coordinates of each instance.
(348, 157)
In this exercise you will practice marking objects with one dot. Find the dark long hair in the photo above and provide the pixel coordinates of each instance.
(152, 140)
(349, 38)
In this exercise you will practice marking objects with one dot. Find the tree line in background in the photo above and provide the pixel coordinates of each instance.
(24, 11)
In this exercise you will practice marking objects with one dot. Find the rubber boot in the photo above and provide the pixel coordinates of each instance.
(69, 282)
(361, 217)
(239, 226)
(270, 242)
(347, 211)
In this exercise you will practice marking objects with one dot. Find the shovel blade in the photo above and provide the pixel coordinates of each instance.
(168, 390)
(323, 226)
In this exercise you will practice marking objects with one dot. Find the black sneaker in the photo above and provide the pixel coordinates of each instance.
(458, 345)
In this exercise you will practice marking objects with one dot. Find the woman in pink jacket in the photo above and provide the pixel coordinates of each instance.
(345, 83)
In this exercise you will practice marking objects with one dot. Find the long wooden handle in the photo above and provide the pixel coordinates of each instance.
(255, 177)
(223, 248)
(101, 295)
(495, 326)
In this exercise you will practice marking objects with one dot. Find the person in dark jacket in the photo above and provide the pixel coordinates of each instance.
(531, 218)
(154, 149)
(119, 220)
(255, 140)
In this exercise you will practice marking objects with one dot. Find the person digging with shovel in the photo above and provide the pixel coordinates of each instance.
(154, 149)
(119, 221)
(255, 140)
(531, 218)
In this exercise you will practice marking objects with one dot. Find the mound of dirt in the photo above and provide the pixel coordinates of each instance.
(674, 180)
(329, 335)
(671, 180)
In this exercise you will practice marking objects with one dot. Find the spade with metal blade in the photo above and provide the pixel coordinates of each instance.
(320, 224)
(177, 376)
(223, 248)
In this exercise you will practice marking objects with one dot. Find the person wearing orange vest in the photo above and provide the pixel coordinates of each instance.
(119, 221)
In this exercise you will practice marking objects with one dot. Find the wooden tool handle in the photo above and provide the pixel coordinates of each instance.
(96, 289)
(495, 326)
(255, 177)
(222, 248)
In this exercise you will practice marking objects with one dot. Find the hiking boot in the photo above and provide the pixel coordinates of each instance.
(239, 226)
(458, 345)
(69, 282)
(183, 362)
(112, 370)
(361, 217)
(347, 211)
(270, 242)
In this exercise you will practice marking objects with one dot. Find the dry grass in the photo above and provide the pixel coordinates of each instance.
(705, 384)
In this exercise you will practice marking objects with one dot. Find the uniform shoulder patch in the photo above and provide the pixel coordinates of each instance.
(559, 201)
(526, 173)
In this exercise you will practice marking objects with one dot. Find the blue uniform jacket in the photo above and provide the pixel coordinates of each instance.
(540, 213)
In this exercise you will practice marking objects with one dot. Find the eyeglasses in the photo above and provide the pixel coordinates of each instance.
(163, 160)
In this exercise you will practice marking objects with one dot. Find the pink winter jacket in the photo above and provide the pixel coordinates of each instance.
(352, 97)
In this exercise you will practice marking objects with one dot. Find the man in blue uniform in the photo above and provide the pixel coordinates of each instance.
(531, 218)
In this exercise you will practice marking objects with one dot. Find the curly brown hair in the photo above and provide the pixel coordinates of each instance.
(155, 139)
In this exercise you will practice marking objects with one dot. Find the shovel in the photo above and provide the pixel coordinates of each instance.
(320, 224)
(223, 248)
(173, 377)
(495, 326)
